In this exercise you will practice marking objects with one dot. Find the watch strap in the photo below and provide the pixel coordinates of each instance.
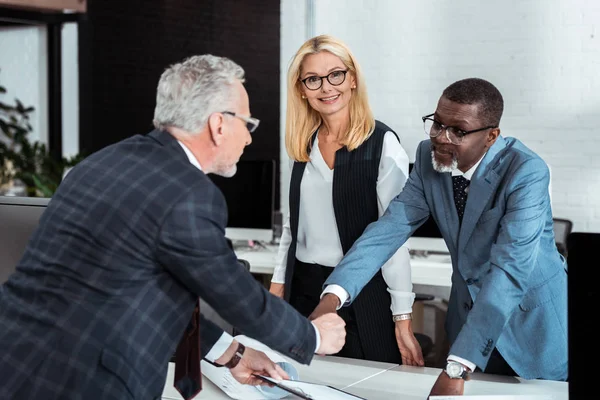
(237, 357)
(402, 317)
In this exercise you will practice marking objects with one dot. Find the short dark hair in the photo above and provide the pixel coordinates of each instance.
(478, 91)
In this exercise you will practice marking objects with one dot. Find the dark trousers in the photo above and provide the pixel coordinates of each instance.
(306, 289)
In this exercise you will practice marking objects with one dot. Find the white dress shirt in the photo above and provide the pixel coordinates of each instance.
(226, 339)
(318, 238)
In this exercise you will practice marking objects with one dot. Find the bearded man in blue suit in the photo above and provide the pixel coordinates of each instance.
(489, 196)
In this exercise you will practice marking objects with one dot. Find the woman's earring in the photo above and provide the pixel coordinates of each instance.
(303, 96)
(353, 87)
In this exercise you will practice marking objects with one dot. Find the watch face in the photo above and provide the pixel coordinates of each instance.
(454, 370)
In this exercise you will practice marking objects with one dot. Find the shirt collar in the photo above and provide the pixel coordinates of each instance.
(190, 155)
(469, 174)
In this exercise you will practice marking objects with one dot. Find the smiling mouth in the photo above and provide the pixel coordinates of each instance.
(330, 99)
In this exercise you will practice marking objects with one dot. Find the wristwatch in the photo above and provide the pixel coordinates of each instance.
(237, 357)
(456, 370)
(402, 317)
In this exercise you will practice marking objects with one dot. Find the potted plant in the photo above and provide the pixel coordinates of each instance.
(23, 162)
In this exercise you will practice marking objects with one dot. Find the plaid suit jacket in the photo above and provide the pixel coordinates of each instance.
(109, 279)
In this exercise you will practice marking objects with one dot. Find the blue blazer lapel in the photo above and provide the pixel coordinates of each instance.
(483, 184)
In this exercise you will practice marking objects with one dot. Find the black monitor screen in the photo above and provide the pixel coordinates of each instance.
(250, 194)
(429, 229)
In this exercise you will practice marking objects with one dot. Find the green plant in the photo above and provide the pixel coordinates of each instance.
(20, 159)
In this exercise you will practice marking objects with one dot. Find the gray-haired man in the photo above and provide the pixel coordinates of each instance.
(131, 239)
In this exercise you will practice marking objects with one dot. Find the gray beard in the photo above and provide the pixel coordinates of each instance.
(441, 167)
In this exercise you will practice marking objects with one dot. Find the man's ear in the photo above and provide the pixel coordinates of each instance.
(215, 128)
(492, 136)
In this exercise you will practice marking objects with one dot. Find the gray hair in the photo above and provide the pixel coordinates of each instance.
(190, 91)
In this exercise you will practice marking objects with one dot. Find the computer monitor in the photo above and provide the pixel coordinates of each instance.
(250, 197)
(19, 217)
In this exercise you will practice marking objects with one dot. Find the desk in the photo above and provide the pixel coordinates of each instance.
(431, 269)
(382, 381)
(335, 371)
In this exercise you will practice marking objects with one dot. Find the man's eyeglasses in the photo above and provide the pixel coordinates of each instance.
(335, 78)
(251, 123)
(455, 135)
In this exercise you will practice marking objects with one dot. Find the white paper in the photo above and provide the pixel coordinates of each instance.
(315, 391)
(223, 379)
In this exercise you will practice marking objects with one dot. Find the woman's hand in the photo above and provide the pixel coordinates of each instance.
(409, 347)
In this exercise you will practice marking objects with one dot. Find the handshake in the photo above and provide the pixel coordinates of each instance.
(331, 326)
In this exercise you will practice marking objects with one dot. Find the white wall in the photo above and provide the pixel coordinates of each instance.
(23, 71)
(543, 55)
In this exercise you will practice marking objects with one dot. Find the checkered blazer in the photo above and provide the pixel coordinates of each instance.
(109, 279)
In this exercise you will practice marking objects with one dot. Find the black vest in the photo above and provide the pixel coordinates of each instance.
(355, 206)
(354, 193)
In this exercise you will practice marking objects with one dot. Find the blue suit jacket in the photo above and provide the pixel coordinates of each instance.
(509, 283)
(109, 279)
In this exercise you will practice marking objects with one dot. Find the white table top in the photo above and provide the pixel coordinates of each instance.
(432, 269)
(334, 371)
(412, 383)
(382, 381)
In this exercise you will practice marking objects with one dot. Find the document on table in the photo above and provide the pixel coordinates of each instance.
(223, 379)
(311, 391)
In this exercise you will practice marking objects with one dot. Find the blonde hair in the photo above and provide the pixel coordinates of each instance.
(302, 120)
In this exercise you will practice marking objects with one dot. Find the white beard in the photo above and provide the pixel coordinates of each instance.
(227, 172)
(441, 167)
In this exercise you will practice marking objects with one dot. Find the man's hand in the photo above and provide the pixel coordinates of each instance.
(409, 347)
(277, 289)
(332, 331)
(328, 304)
(256, 362)
(446, 386)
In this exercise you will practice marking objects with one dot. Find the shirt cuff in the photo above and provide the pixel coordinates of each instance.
(339, 291)
(219, 347)
(402, 302)
(318, 334)
(464, 362)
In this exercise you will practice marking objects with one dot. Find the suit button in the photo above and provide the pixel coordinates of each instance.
(470, 281)
(467, 306)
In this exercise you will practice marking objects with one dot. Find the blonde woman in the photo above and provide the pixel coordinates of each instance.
(346, 169)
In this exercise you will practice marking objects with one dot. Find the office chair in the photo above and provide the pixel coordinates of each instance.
(562, 229)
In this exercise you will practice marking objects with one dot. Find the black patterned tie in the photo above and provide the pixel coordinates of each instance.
(460, 184)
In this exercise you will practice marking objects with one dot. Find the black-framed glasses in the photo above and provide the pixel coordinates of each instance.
(251, 123)
(335, 78)
(455, 135)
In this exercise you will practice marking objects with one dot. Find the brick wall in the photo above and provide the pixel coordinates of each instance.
(544, 56)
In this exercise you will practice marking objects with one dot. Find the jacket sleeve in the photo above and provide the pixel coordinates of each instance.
(382, 238)
(193, 247)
